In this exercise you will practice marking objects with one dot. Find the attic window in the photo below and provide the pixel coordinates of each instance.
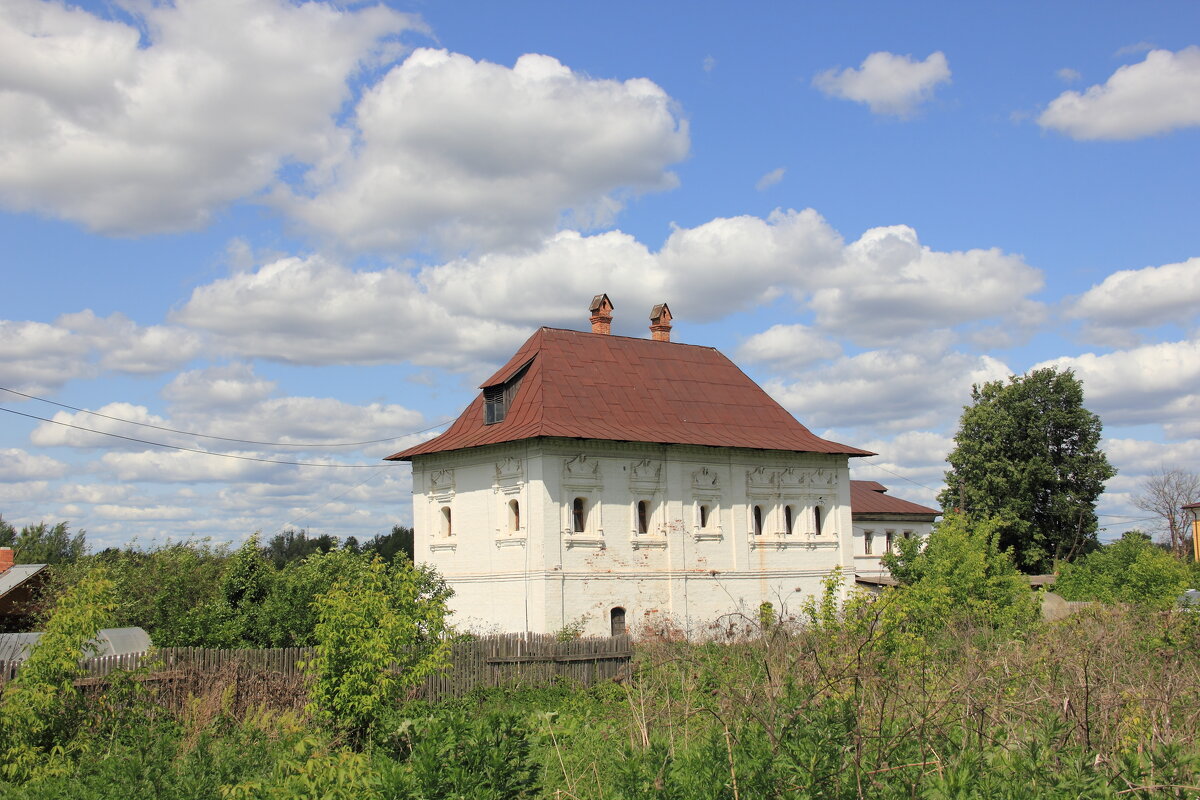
(498, 398)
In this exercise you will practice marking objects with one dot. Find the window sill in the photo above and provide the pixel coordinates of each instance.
(707, 534)
(510, 540)
(450, 543)
(789, 543)
(646, 541)
(592, 542)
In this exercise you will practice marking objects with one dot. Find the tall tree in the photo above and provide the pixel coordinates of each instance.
(1164, 495)
(1027, 452)
(42, 543)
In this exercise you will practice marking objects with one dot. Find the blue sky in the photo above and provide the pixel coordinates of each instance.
(324, 224)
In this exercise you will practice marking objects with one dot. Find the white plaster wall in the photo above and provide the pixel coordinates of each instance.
(868, 564)
(676, 576)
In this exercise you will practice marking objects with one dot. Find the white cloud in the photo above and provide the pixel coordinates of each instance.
(469, 312)
(788, 347)
(217, 389)
(1155, 96)
(1156, 384)
(125, 346)
(887, 390)
(174, 466)
(36, 357)
(140, 513)
(367, 317)
(131, 136)
(770, 179)
(1137, 458)
(889, 285)
(455, 153)
(95, 493)
(1142, 298)
(1068, 75)
(887, 83)
(58, 434)
(19, 465)
(1134, 49)
(39, 357)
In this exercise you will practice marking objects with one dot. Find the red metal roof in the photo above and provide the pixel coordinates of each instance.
(869, 498)
(598, 386)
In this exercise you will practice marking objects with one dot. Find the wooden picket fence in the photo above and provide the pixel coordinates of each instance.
(489, 661)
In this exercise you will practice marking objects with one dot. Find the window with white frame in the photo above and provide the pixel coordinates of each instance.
(868, 542)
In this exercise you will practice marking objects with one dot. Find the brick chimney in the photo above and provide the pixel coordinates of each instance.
(601, 309)
(6, 558)
(660, 323)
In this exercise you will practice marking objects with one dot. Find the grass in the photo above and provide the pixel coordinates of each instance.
(1105, 704)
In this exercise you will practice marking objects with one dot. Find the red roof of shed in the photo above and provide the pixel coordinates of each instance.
(598, 386)
(868, 498)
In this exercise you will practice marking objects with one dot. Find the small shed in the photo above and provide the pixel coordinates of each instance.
(108, 642)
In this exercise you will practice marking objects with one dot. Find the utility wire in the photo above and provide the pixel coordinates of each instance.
(192, 449)
(210, 436)
(898, 475)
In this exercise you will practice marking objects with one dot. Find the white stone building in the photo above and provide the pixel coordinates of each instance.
(610, 483)
(880, 521)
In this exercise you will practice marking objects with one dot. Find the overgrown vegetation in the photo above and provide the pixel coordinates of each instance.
(196, 594)
(947, 687)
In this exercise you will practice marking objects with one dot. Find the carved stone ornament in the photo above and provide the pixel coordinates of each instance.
(790, 477)
(824, 477)
(441, 480)
(581, 469)
(509, 469)
(760, 478)
(645, 472)
(706, 479)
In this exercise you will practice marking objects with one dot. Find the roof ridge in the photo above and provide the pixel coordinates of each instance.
(627, 338)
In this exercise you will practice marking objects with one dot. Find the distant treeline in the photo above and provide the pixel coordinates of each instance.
(56, 544)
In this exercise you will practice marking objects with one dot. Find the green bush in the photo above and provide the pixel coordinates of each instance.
(1130, 570)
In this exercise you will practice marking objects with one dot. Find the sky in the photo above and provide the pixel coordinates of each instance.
(304, 233)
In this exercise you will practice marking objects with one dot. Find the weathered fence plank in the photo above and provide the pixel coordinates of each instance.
(488, 661)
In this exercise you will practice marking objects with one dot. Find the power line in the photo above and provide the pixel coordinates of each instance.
(898, 475)
(210, 436)
(192, 449)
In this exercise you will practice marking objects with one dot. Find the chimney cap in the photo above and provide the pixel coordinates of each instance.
(660, 314)
(601, 304)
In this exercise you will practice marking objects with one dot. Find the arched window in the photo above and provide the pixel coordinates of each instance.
(447, 527)
(514, 516)
(703, 516)
(643, 517)
(789, 519)
(817, 519)
(579, 515)
(758, 520)
(616, 620)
